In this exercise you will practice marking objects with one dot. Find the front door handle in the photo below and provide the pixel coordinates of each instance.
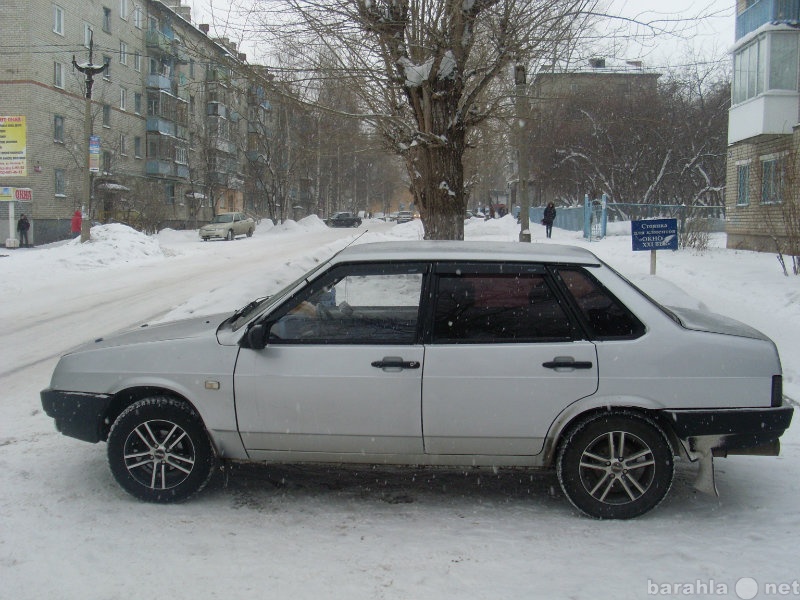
(567, 362)
(395, 363)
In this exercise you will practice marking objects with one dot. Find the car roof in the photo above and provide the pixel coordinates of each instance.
(467, 251)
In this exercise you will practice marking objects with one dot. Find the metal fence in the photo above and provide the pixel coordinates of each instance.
(593, 217)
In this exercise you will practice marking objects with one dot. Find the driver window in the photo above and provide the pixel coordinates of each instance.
(357, 308)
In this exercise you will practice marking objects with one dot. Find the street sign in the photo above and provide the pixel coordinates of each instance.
(94, 154)
(654, 234)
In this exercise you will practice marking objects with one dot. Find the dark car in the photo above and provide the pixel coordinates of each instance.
(344, 219)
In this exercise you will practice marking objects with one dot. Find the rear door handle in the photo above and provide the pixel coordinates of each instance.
(395, 363)
(567, 362)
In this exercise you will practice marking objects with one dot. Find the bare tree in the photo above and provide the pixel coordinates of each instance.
(422, 71)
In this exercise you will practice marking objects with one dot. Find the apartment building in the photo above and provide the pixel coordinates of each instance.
(166, 110)
(763, 164)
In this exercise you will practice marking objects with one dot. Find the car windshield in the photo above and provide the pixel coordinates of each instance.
(223, 219)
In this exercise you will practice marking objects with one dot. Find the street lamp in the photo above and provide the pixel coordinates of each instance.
(522, 155)
(90, 70)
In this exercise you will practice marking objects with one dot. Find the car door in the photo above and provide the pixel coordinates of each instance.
(503, 360)
(342, 369)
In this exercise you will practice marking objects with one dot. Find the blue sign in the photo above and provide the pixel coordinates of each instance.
(655, 234)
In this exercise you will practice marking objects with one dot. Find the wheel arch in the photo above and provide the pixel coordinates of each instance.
(575, 415)
(124, 398)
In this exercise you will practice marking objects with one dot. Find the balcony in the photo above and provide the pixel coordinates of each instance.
(767, 11)
(155, 40)
(166, 168)
(773, 113)
(162, 126)
(159, 82)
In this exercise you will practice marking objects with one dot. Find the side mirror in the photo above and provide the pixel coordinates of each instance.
(256, 337)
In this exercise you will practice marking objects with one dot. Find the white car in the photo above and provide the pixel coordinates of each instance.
(228, 225)
(450, 354)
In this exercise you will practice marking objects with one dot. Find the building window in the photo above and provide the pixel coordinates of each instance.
(743, 191)
(123, 10)
(169, 193)
(138, 17)
(58, 129)
(123, 99)
(58, 20)
(783, 61)
(87, 35)
(123, 144)
(137, 103)
(181, 155)
(152, 23)
(107, 63)
(123, 53)
(748, 71)
(107, 162)
(60, 182)
(106, 19)
(772, 180)
(137, 147)
(137, 61)
(58, 75)
(106, 115)
(191, 68)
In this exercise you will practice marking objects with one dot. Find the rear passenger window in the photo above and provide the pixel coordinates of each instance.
(606, 316)
(497, 308)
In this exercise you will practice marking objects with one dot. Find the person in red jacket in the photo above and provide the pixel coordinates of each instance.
(76, 223)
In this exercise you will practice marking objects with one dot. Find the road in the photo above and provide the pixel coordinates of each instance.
(42, 323)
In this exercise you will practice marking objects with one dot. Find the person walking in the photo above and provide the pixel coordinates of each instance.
(549, 217)
(23, 225)
(75, 226)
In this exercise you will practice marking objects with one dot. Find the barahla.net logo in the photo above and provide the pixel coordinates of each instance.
(745, 588)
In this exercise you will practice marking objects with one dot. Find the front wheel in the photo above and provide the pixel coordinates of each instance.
(159, 450)
(616, 465)
(249, 233)
(230, 235)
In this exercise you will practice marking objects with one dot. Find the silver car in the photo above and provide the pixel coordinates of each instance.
(444, 354)
(228, 225)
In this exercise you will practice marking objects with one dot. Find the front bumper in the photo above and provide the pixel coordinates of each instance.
(732, 431)
(77, 414)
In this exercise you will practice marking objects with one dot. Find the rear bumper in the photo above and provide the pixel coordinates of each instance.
(732, 431)
(77, 414)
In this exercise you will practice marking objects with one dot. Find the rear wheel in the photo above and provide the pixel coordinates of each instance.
(616, 465)
(159, 450)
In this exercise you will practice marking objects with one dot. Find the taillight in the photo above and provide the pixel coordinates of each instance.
(777, 390)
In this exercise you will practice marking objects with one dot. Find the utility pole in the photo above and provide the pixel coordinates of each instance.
(521, 108)
(90, 70)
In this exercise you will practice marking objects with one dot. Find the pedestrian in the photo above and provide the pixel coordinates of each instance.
(22, 227)
(77, 220)
(549, 217)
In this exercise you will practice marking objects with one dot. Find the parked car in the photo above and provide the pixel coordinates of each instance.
(227, 226)
(440, 354)
(344, 219)
(404, 216)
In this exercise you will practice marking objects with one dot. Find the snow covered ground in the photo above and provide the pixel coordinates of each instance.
(68, 531)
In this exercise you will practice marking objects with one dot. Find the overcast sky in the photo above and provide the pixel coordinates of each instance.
(700, 29)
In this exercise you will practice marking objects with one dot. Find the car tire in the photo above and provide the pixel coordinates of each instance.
(249, 233)
(229, 236)
(159, 450)
(615, 465)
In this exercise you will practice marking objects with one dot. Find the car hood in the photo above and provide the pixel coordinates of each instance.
(173, 330)
(214, 226)
(699, 320)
